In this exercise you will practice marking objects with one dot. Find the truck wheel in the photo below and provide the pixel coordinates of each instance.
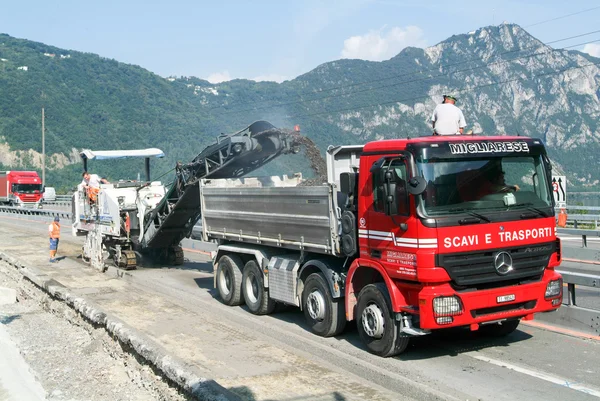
(376, 324)
(501, 329)
(229, 280)
(253, 287)
(324, 315)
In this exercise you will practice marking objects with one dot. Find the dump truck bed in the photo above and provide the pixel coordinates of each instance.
(271, 212)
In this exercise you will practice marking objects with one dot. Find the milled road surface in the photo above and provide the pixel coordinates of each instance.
(276, 358)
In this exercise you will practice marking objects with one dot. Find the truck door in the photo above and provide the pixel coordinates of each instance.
(392, 228)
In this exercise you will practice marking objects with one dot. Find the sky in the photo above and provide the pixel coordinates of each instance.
(278, 40)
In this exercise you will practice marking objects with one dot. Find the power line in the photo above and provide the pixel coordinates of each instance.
(457, 91)
(236, 111)
(561, 17)
(420, 79)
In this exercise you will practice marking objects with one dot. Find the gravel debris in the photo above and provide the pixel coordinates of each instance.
(317, 163)
(72, 359)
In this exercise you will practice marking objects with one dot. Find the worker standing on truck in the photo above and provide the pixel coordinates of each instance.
(54, 234)
(447, 119)
(91, 183)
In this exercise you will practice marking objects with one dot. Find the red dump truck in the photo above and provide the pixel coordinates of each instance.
(21, 188)
(406, 236)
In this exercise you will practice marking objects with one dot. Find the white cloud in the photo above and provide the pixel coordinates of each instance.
(271, 78)
(218, 77)
(593, 49)
(381, 45)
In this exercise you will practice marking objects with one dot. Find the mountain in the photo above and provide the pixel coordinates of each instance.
(507, 82)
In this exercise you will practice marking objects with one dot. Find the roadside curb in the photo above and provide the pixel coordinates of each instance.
(176, 370)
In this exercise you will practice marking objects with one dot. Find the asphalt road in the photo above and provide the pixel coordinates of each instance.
(531, 364)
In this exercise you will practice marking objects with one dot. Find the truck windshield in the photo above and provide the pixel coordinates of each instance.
(485, 184)
(26, 188)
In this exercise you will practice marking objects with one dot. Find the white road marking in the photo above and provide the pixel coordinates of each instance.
(561, 381)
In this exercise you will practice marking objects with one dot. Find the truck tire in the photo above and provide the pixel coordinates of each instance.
(229, 280)
(376, 325)
(325, 316)
(254, 291)
(500, 329)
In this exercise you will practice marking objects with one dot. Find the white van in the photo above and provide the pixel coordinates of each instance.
(49, 194)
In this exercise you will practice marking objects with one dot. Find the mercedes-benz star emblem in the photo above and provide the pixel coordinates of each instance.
(503, 263)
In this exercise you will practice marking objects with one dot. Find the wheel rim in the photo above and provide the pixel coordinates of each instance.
(251, 289)
(225, 282)
(373, 321)
(315, 303)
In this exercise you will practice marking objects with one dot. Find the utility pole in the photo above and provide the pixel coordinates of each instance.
(43, 150)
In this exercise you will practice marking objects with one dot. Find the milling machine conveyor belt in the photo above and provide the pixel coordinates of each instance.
(232, 156)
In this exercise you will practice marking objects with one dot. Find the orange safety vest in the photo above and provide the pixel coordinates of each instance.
(55, 233)
(93, 194)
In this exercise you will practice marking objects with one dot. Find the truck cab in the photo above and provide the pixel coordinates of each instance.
(21, 189)
(460, 229)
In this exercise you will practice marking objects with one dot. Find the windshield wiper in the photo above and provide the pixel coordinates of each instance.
(531, 208)
(470, 213)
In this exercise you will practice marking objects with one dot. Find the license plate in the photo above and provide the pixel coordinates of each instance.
(505, 298)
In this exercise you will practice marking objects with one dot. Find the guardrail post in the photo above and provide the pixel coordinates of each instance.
(584, 241)
(571, 288)
(575, 224)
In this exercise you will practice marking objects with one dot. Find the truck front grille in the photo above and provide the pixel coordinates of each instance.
(468, 269)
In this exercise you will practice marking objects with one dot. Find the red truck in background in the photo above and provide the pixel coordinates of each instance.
(21, 188)
(406, 237)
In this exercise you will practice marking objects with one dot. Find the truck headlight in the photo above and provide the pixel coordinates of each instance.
(554, 289)
(447, 306)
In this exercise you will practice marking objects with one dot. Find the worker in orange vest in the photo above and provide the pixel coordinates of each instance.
(54, 234)
(91, 183)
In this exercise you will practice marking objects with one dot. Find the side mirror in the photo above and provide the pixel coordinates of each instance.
(348, 183)
(376, 167)
(417, 185)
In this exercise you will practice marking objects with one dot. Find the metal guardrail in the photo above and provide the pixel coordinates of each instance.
(590, 208)
(57, 203)
(579, 231)
(64, 198)
(577, 219)
(45, 213)
(573, 313)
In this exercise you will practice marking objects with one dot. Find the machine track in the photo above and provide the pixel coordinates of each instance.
(127, 261)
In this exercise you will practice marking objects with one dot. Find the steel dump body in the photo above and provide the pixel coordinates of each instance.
(260, 212)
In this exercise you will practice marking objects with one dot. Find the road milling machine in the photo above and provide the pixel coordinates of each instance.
(128, 219)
